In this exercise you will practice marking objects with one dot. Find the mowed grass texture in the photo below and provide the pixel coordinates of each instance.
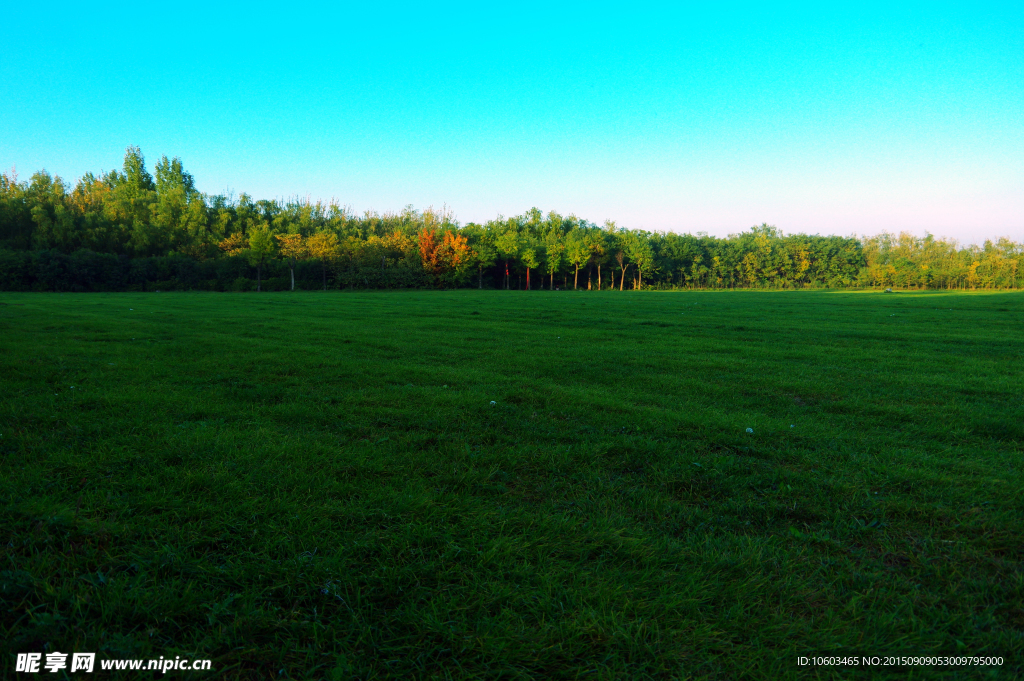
(514, 485)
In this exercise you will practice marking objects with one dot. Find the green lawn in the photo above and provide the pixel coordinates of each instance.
(514, 485)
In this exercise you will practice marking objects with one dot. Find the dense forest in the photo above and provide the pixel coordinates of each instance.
(129, 230)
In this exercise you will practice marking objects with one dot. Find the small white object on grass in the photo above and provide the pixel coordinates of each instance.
(750, 430)
(493, 403)
(791, 426)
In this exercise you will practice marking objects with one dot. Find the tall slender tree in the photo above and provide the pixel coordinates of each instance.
(323, 246)
(261, 249)
(293, 247)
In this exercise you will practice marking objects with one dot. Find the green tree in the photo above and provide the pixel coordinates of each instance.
(577, 252)
(16, 224)
(261, 249)
(509, 245)
(529, 257)
(554, 255)
(54, 222)
(179, 210)
(483, 252)
(605, 244)
(133, 193)
(637, 246)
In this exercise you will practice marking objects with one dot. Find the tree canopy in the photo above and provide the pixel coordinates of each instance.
(132, 216)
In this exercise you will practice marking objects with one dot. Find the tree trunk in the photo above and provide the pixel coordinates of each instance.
(507, 277)
(323, 268)
(480, 280)
(293, 274)
(259, 278)
(528, 279)
(598, 277)
(576, 279)
(622, 278)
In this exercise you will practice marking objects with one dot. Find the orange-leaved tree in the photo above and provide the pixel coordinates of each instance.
(446, 260)
(428, 249)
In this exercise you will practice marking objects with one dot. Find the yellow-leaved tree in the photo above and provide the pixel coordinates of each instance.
(234, 244)
(323, 246)
(293, 247)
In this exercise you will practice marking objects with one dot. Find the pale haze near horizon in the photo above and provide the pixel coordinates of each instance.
(850, 120)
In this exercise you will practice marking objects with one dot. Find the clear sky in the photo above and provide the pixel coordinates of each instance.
(712, 117)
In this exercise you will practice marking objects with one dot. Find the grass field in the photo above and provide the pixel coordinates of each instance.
(514, 485)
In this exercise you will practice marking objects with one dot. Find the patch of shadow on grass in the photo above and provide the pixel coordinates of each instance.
(694, 488)
(1002, 430)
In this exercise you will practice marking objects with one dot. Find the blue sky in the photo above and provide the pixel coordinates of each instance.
(849, 119)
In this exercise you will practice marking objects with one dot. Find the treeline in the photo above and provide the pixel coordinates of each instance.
(129, 230)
